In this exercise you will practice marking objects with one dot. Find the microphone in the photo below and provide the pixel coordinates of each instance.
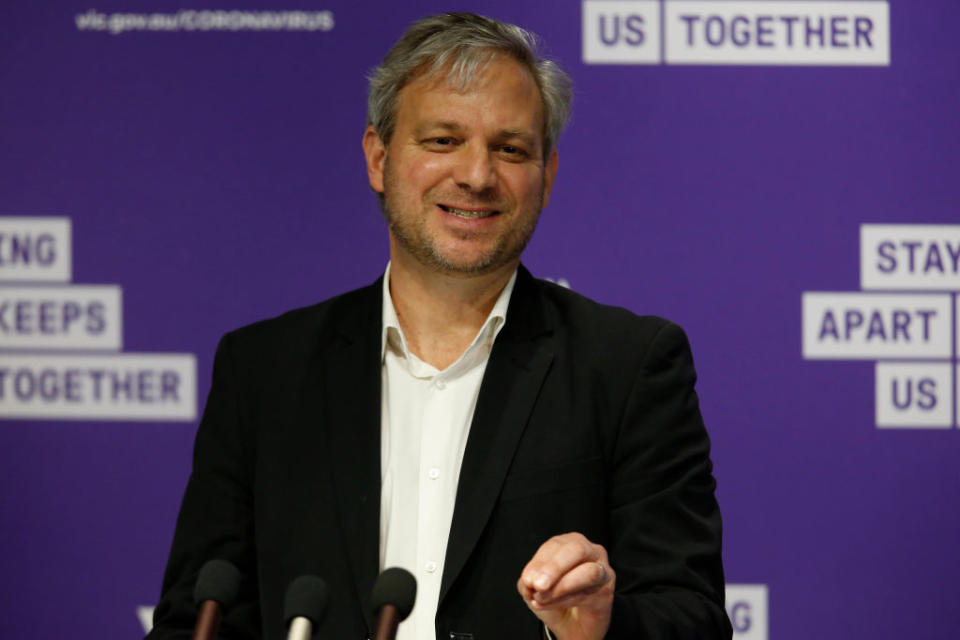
(217, 586)
(304, 605)
(394, 593)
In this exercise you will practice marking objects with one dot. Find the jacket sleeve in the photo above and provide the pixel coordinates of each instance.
(664, 518)
(216, 516)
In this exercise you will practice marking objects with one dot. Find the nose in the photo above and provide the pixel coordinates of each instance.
(474, 169)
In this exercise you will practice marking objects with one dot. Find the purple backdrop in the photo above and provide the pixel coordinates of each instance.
(217, 177)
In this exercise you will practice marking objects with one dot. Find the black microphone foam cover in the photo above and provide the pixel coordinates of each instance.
(306, 597)
(219, 580)
(395, 586)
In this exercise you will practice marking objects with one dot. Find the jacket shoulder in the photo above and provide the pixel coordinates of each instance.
(600, 324)
(299, 332)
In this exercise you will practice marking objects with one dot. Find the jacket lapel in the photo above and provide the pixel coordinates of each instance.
(520, 359)
(348, 368)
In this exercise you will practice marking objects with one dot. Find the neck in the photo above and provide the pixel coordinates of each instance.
(441, 313)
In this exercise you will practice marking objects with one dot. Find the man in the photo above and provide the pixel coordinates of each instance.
(536, 460)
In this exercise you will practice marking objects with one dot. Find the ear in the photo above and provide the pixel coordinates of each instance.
(376, 153)
(549, 173)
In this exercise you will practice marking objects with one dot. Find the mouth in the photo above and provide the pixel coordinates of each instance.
(469, 214)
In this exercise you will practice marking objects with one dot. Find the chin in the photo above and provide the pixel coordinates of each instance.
(457, 264)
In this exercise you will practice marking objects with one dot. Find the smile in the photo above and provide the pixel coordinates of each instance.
(468, 214)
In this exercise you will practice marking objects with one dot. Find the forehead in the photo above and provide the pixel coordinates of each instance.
(501, 94)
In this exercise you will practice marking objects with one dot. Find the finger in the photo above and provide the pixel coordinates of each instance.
(525, 591)
(579, 600)
(583, 580)
(556, 557)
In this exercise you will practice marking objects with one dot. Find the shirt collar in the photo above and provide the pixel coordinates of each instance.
(391, 323)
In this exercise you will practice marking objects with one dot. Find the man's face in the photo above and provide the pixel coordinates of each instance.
(463, 177)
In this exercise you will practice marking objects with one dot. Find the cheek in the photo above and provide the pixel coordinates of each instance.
(526, 184)
(426, 173)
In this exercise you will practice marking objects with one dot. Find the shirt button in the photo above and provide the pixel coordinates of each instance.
(431, 566)
(441, 384)
(433, 474)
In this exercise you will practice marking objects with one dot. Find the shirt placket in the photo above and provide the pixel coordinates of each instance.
(433, 483)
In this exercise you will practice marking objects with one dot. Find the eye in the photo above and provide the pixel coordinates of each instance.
(440, 143)
(513, 152)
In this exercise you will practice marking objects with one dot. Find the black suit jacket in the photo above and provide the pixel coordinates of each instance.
(586, 421)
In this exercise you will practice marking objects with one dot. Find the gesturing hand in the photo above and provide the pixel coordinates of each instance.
(569, 585)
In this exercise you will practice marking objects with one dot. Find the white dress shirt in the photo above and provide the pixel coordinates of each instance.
(425, 420)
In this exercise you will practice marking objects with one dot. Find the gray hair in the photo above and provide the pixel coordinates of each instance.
(462, 44)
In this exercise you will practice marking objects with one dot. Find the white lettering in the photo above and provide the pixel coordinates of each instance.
(747, 609)
(621, 31)
(785, 32)
(914, 395)
(71, 317)
(905, 257)
(864, 326)
(35, 249)
(128, 386)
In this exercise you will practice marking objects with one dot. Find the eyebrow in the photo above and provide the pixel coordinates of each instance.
(453, 127)
(515, 134)
(445, 125)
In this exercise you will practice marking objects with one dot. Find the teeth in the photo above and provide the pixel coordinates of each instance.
(469, 215)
